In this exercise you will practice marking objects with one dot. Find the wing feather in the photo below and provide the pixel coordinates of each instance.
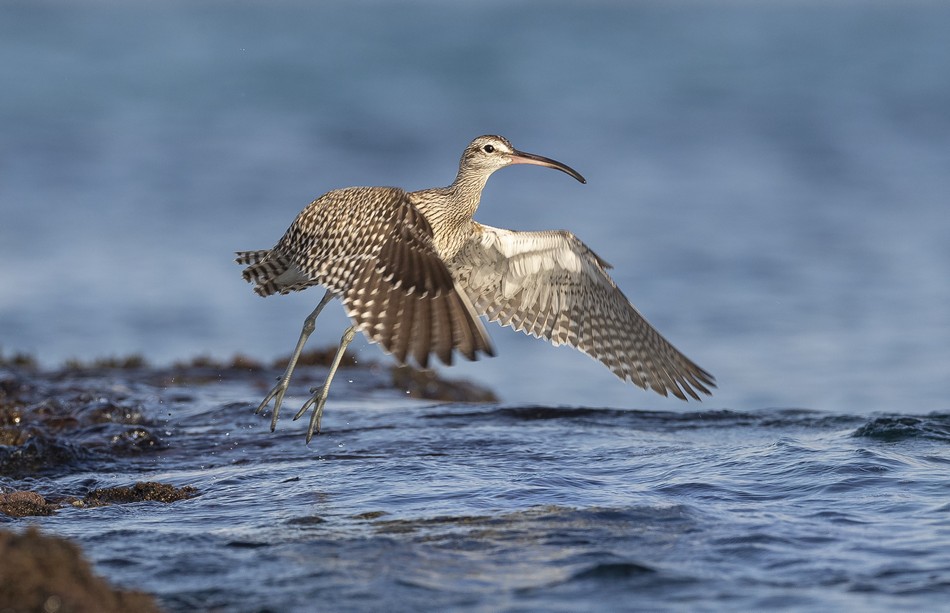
(373, 248)
(553, 286)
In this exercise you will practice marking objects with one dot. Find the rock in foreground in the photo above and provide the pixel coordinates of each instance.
(46, 573)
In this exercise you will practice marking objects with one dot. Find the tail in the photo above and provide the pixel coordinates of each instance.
(270, 273)
(247, 258)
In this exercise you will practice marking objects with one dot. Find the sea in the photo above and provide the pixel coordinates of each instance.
(769, 180)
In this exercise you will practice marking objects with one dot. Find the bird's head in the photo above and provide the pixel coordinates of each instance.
(486, 154)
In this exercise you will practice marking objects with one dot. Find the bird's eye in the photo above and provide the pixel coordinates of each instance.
(488, 148)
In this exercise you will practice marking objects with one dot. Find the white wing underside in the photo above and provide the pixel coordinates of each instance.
(552, 286)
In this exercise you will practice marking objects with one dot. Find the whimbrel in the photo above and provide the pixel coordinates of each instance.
(415, 272)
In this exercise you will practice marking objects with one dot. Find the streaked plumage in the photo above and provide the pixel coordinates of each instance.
(552, 286)
(373, 248)
(415, 271)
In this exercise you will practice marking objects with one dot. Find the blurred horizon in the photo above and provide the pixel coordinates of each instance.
(769, 182)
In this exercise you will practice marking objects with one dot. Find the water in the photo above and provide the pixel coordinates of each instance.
(770, 183)
(404, 505)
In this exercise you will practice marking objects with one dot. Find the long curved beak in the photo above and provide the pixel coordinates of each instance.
(520, 157)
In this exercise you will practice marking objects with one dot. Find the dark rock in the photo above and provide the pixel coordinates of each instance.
(141, 491)
(46, 573)
(24, 504)
(428, 385)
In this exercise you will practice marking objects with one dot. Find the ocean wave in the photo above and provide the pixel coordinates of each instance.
(935, 426)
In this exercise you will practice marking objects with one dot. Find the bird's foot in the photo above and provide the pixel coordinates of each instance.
(277, 395)
(318, 400)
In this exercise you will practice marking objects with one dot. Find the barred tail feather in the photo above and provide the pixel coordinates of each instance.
(271, 273)
(246, 258)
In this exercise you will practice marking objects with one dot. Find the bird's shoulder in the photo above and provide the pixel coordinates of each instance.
(558, 248)
(355, 209)
(352, 198)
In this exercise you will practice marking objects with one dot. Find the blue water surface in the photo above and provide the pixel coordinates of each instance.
(769, 182)
(402, 505)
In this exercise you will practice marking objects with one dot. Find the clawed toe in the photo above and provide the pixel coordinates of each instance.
(273, 392)
(310, 402)
(318, 397)
(318, 400)
(277, 395)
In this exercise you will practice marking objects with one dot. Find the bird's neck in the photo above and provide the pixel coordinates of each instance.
(449, 211)
(466, 190)
(456, 203)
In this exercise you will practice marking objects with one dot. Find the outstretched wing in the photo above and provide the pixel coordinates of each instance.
(405, 299)
(552, 286)
(373, 248)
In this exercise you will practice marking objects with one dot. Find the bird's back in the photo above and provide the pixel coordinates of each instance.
(374, 249)
(320, 246)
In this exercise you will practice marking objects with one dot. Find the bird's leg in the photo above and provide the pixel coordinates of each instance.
(319, 398)
(281, 388)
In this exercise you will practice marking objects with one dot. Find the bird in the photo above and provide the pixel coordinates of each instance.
(416, 273)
